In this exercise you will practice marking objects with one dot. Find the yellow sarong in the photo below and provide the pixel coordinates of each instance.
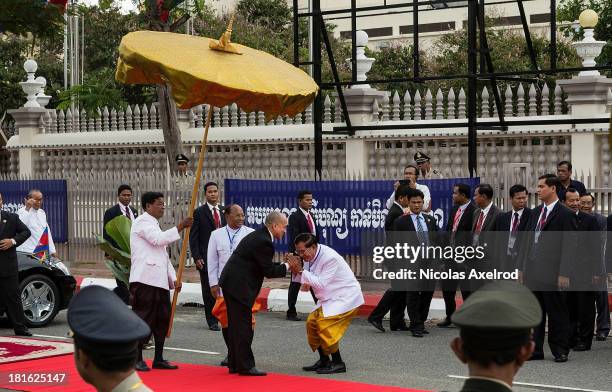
(326, 332)
(220, 312)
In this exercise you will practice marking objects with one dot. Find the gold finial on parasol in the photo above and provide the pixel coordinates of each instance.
(225, 44)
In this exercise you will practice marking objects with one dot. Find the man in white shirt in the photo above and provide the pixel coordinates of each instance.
(34, 217)
(338, 299)
(152, 275)
(221, 245)
(411, 173)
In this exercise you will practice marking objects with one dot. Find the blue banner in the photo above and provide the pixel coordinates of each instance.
(344, 210)
(55, 202)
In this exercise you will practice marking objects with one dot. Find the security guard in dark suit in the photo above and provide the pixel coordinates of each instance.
(495, 334)
(13, 233)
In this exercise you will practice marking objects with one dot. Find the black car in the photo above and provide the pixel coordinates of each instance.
(46, 288)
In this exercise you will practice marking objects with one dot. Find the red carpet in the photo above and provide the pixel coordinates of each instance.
(190, 378)
(14, 349)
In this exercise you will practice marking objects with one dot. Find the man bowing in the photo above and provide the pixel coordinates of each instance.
(241, 281)
(339, 297)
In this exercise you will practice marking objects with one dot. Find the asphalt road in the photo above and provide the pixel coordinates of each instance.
(391, 358)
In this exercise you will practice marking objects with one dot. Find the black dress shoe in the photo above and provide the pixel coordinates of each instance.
(25, 332)
(425, 332)
(317, 365)
(402, 328)
(601, 337)
(141, 366)
(536, 357)
(252, 372)
(214, 327)
(581, 347)
(163, 364)
(561, 358)
(332, 368)
(377, 324)
(445, 324)
(232, 371)
(225, 362)
(417, 334)
(293, 318)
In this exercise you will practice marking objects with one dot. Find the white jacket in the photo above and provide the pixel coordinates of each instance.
(221, 245)
(36, 221)
(334, 284)
(150, 262)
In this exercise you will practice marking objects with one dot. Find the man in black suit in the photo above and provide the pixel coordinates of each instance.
(508, 227)
(394, 299)
(564, 173)
(418, 229)
(13, 233)
(482, 233)
(241, 282)
(587, 205)
(588, 269)
(123, 207)
(609, 248)
(206, 219)
(300, 221)
(459, 233)
(547, 260)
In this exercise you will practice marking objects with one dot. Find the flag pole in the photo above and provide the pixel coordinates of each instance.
(194, 197)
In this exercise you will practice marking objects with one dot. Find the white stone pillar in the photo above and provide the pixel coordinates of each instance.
(27, 122)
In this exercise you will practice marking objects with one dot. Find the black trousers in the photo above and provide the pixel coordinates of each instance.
(294, 291)
(240, 334)
(581, 308)
(417, 303)
(11, 298)
(209, 300)
(122, 291)
(554, 307)
(603, 312)
(395, 302)
(449, 291)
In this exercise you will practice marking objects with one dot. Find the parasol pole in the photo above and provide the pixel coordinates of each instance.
(194, 195)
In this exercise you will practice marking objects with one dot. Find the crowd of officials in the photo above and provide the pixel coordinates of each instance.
(562, 278)
(558, 250)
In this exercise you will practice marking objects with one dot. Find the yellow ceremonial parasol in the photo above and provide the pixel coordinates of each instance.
(201, 70)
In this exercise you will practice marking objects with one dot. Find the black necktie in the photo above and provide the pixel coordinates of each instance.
(127, 213)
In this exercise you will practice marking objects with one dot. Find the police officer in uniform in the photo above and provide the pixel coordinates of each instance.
(495, 324)
(183, 186)
(424, 165)
(106, 334)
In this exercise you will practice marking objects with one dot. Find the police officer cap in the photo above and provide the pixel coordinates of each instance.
(97, 316)
(181, 158)
(419, 157)
(499, 305)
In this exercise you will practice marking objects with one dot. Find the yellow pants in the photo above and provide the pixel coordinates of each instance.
(326, 332)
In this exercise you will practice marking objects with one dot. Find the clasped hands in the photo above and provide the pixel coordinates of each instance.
(295, 263)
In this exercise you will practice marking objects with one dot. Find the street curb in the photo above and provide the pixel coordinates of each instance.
(271, 300)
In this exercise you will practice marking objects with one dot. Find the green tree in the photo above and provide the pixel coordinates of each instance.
(508, 53)
(393, 62)
(569, 10)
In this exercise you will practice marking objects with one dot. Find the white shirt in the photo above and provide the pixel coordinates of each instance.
(221, 245)
(485, 212)
(36, 221)
(422, 188)
(150, 262)
(520, 215)
(333, 283)
(307, 214)
(128, 209)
